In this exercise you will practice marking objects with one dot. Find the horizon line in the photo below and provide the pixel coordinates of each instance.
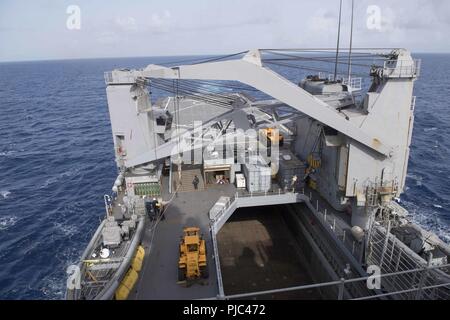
(166, 56)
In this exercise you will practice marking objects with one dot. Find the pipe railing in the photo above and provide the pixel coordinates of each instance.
(342, 283)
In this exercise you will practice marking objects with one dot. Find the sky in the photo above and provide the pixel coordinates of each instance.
(46, 29)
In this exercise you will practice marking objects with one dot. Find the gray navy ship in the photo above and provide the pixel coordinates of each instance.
(294, 187)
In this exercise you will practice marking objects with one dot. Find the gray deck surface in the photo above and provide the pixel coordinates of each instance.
(257, 251)
(158, 279)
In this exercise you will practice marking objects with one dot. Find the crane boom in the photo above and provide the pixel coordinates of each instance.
(250, 71)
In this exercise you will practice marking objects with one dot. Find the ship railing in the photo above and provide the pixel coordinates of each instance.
(340, 229)
(330, 220)
(417, 290)
(401, 68)
(401, 275)
(249, 194)
(221, 215)
(355, 84)
(385, 251)
(108, 77)
(390, 256)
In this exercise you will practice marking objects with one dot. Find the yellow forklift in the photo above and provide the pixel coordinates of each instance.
(192, 264)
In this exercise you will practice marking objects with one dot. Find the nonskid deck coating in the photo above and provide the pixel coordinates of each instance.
(260, 241)
(158, 278)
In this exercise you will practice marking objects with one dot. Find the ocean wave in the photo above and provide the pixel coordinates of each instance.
(429, 219)
(53, 288)
(418, 179)
(67, 174)
(7, 222)
(7, 153)
(66, 230)
(5, 194)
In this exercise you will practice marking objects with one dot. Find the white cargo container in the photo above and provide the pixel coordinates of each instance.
(258, 177)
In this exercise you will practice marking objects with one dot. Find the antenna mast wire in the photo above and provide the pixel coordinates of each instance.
(339, 35)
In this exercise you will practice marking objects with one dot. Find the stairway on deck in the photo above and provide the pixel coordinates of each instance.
(187, 176)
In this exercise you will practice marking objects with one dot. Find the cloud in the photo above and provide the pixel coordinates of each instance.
(173, 27)
(160, 23)
(322, 21)
(157, 23)
(126, 23)
(107, 38)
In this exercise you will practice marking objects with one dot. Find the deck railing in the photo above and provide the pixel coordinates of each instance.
(402, 68)
(404, 278)
(416, 291)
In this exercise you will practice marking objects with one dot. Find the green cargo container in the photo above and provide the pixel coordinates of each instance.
(147, 189)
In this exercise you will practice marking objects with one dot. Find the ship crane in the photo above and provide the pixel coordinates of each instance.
(249, 70)
(370, 143)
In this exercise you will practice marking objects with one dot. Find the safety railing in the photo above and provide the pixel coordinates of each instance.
(108, 77)
(249, 194)
(355, 84)
(217, 261)
(401, 277)
(329, 219)
(416, 290)
(401, 68)
(339, 229)
(393, 256)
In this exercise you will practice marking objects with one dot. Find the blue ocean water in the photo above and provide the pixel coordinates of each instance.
(57, 161)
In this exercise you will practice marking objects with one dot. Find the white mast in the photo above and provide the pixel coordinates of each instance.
(351, 44)
(338, 37)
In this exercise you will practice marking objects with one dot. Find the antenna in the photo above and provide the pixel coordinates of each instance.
(351, 43)
(337, 46)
